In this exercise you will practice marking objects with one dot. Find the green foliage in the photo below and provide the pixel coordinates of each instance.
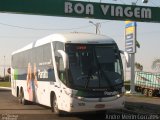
(156, 64)
(127, 85)
(7, 77)
(5, 84)
(139, 66)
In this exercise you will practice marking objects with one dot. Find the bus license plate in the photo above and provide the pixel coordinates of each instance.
(100, 106)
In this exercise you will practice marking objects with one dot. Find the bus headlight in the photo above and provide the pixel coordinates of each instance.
(118, 95)
(79, 98)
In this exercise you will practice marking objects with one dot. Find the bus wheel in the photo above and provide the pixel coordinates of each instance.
(145, 92)
(55, 105)
(22, 99)
(150, 93)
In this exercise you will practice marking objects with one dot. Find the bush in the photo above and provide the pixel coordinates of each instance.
(5, 84)
(7, 78)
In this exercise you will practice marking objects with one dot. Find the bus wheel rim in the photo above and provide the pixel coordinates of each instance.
(55, 106)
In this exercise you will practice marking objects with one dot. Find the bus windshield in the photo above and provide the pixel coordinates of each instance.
(94, 66)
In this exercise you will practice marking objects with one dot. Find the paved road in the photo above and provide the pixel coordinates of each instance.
(10, 108)
(143, 104)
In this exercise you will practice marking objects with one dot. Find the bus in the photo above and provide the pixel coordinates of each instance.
(69, 72)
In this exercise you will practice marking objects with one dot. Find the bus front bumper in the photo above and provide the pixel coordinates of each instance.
(94, 105)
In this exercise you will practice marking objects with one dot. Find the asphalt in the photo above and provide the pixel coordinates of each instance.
(10, 107)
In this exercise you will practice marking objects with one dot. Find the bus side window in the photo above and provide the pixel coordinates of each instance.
(61, 70)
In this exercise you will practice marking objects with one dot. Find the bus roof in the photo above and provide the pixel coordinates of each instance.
(86, 38)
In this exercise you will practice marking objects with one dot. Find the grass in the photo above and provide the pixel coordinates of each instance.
(127, 84)
(5, 84)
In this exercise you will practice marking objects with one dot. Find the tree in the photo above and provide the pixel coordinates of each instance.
(156, 64)
(138, 66)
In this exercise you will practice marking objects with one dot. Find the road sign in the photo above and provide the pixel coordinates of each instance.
(9, 70)
(81, 9)
(130, 37)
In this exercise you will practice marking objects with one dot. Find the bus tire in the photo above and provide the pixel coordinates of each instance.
(150, 93)
(145, 92)
(54, 106)
(17, 92)
(22, 100)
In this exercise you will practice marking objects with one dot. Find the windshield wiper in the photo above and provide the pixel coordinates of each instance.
(101, 72)
(82, 77)
(86, 78)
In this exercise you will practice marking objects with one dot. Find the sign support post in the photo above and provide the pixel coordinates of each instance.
(132, 83)
(130, 47)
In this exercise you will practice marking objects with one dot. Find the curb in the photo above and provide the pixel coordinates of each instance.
(5, 88)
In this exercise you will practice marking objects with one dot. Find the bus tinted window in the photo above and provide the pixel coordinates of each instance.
(41, 57)
(94, 66)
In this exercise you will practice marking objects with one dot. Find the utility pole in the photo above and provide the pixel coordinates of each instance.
(97, 25)
(4, 68)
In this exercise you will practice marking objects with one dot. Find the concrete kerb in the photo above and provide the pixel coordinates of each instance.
(5, 88)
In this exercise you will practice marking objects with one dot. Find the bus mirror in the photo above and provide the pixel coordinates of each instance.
(127, 57)
(65, 58)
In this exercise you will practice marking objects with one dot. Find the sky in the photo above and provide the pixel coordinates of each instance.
(18, 30)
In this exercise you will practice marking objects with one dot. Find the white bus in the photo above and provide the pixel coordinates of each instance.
(72, 72)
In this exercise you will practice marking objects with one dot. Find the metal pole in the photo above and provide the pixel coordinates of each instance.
(132, 85)
(97, 25)
(10, 74)
(125, 72)
(4, 68)
(10, 78)
(96, 28)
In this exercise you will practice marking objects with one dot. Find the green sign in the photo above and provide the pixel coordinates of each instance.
(81, 9)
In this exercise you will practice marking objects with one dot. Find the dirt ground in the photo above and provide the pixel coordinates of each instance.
(143, 104)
